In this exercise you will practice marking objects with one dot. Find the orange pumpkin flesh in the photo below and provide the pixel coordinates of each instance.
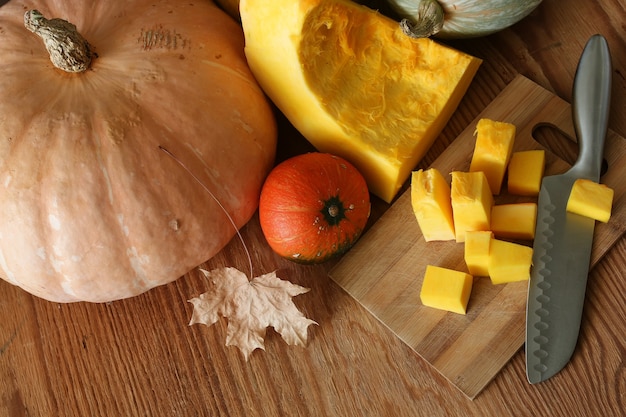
(313, 207)
(90, 208)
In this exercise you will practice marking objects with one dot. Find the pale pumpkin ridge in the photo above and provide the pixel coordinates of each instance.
(126, 194)
(31, 180)
(72, 207)
(111, 122)
(89, 86)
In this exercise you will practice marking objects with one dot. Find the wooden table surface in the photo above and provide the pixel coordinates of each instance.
(139, 357)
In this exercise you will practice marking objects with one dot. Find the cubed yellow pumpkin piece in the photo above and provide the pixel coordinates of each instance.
(492, 152)
(591, 199)
(471, 202)
(525, 172)
(446, 289)
(430, 198)
(476, 252)
(514, 221)
(354, 84)
(509, 262)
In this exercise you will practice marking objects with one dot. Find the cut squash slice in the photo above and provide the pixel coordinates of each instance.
(494, 144)
(472, 201)
(354, 84)
(430, 199)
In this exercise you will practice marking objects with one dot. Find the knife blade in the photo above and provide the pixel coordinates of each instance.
(563, 240)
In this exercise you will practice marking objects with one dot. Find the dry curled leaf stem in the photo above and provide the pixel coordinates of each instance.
(219, 203)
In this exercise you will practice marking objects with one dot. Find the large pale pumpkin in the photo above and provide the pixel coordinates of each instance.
(90, 207)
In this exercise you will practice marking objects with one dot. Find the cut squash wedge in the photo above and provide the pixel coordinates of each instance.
(354, 84)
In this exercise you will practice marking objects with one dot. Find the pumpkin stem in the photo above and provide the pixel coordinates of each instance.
(68, 50)
(333, 211)
(427, 22)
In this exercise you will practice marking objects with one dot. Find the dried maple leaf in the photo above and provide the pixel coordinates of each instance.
(251, 307)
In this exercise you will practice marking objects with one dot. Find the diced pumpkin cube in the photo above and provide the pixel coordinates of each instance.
(446, 289)
(514, 221)
(494, 145)
(430, 198)
(471, 202)
(477, 244)
(591, 199)
(526, 169)
(509, 262)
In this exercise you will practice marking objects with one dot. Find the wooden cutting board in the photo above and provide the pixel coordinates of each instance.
(384, 270)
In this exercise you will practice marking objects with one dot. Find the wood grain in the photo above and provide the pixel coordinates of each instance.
(138, 357)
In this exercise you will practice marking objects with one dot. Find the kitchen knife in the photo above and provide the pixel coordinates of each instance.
(563, 240)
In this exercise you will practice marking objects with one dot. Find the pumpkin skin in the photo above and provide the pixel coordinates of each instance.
(461, 18)
(90, 208)
(313, 207)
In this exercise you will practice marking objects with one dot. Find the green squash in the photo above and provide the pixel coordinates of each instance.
(460, 18)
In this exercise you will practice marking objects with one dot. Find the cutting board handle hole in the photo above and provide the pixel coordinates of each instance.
(556, 141)
(560, 143)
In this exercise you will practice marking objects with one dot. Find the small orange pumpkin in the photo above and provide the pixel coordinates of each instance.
(313, 207)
